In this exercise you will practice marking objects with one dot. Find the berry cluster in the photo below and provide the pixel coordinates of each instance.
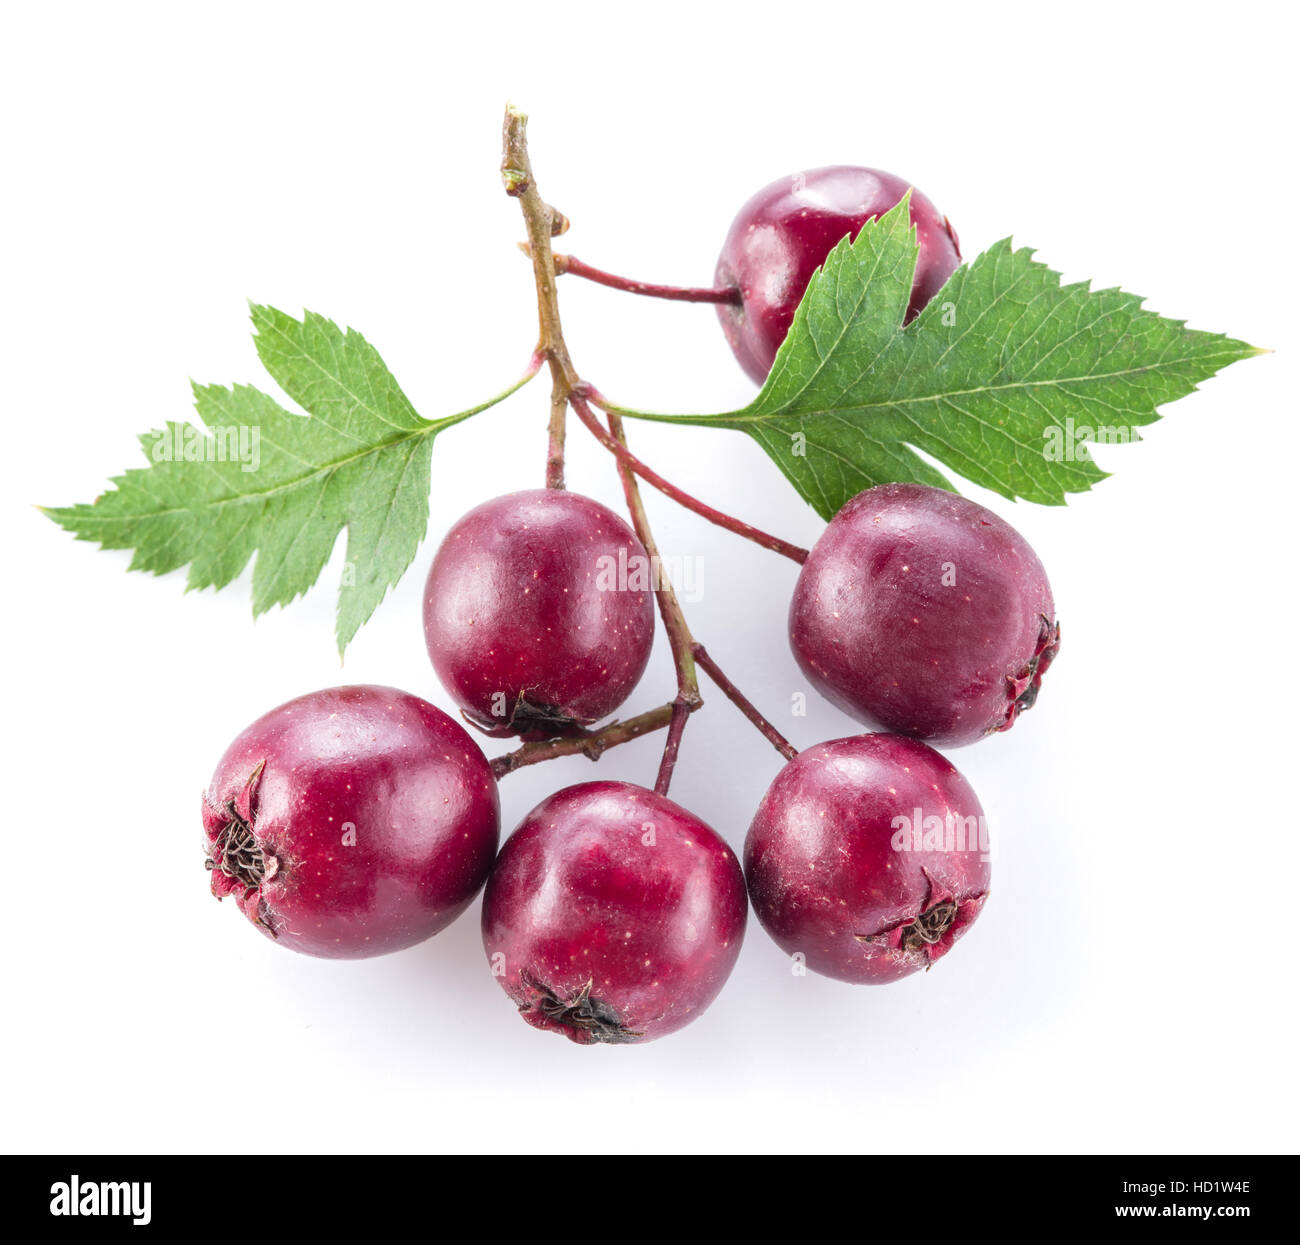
(360, 820)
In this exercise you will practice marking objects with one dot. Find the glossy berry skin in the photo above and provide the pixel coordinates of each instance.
(784, 233)
(613, 915)
(857, 860)
(923, 613)
(538, 613)
(351, 822)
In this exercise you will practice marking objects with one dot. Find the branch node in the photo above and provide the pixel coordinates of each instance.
(516, 182)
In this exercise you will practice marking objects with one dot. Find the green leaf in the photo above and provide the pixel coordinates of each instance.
(1006, 376)
(257, 478)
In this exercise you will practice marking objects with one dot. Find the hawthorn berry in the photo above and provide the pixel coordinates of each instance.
(613, 915)
(351, 822)
(784, 233)
(538, 613)
(868, 857)
(923, 613)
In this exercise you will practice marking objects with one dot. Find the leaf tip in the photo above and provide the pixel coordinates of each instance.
(58, 515)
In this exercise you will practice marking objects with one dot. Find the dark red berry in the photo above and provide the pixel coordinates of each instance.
(923, 613)
(868, 858)
(538, 613)
(784, 233)
(613, 914)
(351, 822)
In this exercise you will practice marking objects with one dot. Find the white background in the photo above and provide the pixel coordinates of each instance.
(1130, 986)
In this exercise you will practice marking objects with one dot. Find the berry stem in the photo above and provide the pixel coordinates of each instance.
(583, 410)
(679, 634)
(555, 445)
(672, 745)
(589, 744)
(542, 222)
(670, 610)
(738, 698)
(677, 293)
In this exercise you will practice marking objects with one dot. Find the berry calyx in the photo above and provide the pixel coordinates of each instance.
(784, 233)
(581, 1018)
(539, 613)
(235, 852)
(1023, 688)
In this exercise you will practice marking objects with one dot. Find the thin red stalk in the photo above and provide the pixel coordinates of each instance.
(677, 293)
(679, 635)
(681, 711)
(738, 698)
(625, 456)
